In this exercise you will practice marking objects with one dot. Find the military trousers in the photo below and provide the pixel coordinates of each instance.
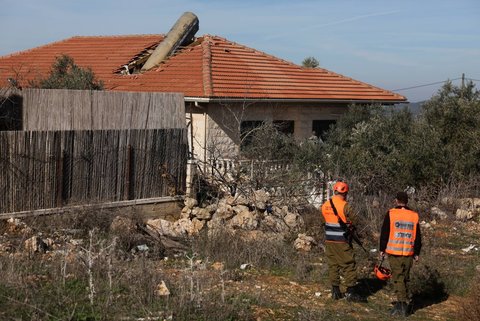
(400, 266)
(341, 261)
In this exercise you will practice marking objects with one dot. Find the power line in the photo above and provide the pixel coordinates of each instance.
(425, 85)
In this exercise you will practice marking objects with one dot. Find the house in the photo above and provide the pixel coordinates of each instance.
(228, 87)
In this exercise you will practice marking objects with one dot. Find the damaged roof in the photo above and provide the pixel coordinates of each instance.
(211, 67)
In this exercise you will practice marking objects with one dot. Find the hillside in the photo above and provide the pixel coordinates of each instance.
(107, 266)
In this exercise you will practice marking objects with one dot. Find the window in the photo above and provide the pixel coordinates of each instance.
(247, 130)
(284, 126)
(320, 127)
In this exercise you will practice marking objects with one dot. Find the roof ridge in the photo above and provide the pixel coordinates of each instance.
(121, 36)
(254, 50)
(207, 67)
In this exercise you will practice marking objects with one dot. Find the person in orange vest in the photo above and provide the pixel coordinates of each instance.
(339, 218)
(400, 238)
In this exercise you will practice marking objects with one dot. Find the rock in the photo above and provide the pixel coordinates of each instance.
(245, 266)
(304, 243)
(274, 224)
(49, 242)
(190, 202)
(293, 220)
(142, 248)
(462, 214)
(240, 209)
(162, 289)
(186, 213)
(197, 226)
(15, 225)
(476, 203)
(182, 227)
(245, 220)
(6, 247)
(35, 244)
(261, 199)
(469, 203)
(212, 208)
(201, 213)
(216, 224)
(167, 228)
(224, 212)
(425, 225)
(437, 212)
(238, 199)
(447, 201)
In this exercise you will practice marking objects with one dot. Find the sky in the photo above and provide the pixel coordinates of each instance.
(394, 45)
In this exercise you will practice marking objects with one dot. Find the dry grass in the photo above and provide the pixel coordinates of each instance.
(471, 305)
(57, 285)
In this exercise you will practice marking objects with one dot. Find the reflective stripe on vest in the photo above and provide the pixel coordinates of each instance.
(403, 231)
(333, 230)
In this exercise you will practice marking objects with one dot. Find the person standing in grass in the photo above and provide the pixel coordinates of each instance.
(339, 219)
(400, 238)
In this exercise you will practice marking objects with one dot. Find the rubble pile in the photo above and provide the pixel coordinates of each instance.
(255, 215)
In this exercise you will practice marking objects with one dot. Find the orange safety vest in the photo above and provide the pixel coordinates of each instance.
(403, 232)
(334, 232)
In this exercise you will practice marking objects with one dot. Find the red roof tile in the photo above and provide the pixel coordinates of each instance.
(212, 67)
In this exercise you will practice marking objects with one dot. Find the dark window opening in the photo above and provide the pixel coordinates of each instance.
(247, 130)
(320, 127)
(284, 126)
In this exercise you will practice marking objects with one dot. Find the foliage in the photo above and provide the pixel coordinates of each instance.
(268, 143)
(310, 62)
(65, 74)
(452, 119)
(386, 149)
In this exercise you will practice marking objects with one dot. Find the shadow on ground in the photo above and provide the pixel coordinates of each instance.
(370, 286)
(430, 289)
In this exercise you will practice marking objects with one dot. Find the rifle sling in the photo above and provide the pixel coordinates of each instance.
(336, 214)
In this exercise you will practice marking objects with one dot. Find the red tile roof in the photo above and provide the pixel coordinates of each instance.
(212, 67)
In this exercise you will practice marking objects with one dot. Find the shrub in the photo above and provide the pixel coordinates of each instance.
(390, 149)
(65, 74)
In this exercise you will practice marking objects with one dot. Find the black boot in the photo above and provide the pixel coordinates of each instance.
(352, 295)
(400, 309)
(336, 293)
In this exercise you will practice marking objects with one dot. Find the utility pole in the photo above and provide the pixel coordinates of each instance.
(463, 85)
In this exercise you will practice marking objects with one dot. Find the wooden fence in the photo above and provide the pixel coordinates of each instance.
(48, 169)
(63, 109)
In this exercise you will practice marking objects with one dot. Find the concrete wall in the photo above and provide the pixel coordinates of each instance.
(216, 127)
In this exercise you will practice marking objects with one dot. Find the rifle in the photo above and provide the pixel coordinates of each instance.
(350, 231)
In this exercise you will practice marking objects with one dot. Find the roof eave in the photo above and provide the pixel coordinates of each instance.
(293, 100)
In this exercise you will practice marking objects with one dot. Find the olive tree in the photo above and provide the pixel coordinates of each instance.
(65, 74)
